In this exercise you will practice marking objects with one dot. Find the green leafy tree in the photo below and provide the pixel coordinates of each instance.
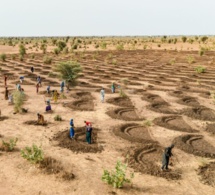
(184, 39)
(61, 45)
(68, 71)
(18, 99)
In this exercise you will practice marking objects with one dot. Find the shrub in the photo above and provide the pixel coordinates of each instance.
(22, 50)
(122, 93)
(159, 45)
(117, 178)
(3, 57)
(61, 45)
(57, 118)
(66, 50)
(51, 74)
(33, 154)
(47, 60)
(56, 51)
(190, 59)
(103, 45)
(13, 57)
(147, 123)
(75, 46)
(21, 58)
(200, 69)
(184, 39)
(201, 52)
(204, 38)
(172, 61)
(120, 47)
(9, 146)
(18, 99)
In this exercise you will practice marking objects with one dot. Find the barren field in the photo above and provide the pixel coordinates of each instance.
(167, 102)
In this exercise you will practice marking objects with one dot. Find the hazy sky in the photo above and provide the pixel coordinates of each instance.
(106, 17)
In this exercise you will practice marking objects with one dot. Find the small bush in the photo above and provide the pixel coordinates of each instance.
(18, 99)
(9, 146)
(147, 123)
(117, 178)
(201, 52)
(13, 57)
(47, 60)
(122, 93)
(56, 51)
(22, 50)
(120, 47)
(3, 57)
(57, 118)
(200, 69)
(184, 39)
(33, 154)
(52, 75)
(190, 59)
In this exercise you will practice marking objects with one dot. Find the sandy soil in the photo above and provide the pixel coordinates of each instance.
(157, 91)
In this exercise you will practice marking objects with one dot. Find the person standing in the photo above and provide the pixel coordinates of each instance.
(32, 69)
(72, 131)
(113, 88)
(102, 92)
(88, 134)
(62, 87)
(5, 80)
(48, 89)
(87, 123)
(6, 93)
(37, 87)
(39, 80)
(40, 119)
(166, 156)
(48, 107)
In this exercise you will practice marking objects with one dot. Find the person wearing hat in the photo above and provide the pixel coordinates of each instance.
(166, 155)
(72, 131)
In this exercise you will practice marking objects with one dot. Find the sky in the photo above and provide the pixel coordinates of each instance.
(106, 17)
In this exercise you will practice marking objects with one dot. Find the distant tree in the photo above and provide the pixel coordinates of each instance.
(61, 45)
(3, 57)
(184, 39)
(204, 38)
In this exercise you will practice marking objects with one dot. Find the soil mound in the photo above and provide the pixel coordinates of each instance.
(207, 174)
(152, 98)
(51, 166)
(2, 118)
(82, 105)
(189, 101)
(174, 122)
(32, 122)
(200, 113)
(127, 114)
(176, 93)
(195, 144)
(211, 128)
(147, 159)
(133, 133)
(121, 101)
(78, 144)
(82, 95)
(161, 107)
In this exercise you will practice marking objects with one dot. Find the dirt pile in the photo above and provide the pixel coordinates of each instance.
(52, 166)
(78, 144)
(194, 144)
(120, 101)
(174, 122)
(147, 159)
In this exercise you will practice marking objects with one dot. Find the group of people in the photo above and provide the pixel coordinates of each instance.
(89, 130)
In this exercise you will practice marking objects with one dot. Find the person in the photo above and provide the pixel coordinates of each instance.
(40, 119)
(102, 92)
(18, 87)
(72, 131)
(37, 87)
(32, 69)
(21, 79)
(113, 88)
(6, 93)
(10, 98)
(48, 89)
(5, 80)
(87, 123)
(62, 86)
(48, 107)
(55, 96)
(88, 134)
(166, 156)
(39, 80)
